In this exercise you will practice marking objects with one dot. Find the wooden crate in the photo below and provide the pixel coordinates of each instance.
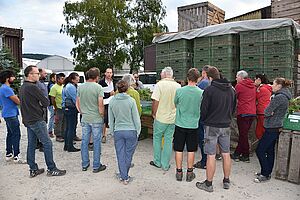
(283, 152)
(147, 121)
(294, 166)
(286, 9)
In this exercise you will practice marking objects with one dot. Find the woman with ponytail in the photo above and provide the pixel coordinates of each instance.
(274, 115)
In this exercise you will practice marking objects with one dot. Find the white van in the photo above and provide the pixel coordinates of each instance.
(81, 75)
(148, 79)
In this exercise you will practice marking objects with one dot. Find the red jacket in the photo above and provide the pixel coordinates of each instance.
(263, 96)
(246, 96)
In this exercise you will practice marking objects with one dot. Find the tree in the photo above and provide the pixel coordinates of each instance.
(8, 62)
(146, 17)
(99, 29)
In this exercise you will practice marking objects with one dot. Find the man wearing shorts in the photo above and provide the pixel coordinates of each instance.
(187, 101)
(217, 108)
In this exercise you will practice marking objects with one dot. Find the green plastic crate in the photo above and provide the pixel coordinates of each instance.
(226, 62)
(224, 51)
(201, 62)
(250, 37)
(253, 71)
(291, 124)
(222, 40)
(162, 58)
(280, 60)
(276, 34)
(162, 64)
(162, 48)
(279, 47)
(181, 55)
(285, 72)
(202, 52)
(256, 61)
(251, 49)
(202, 42)
(228, 73)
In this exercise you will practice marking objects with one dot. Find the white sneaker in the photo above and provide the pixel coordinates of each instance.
(9, 157)
(18, 160)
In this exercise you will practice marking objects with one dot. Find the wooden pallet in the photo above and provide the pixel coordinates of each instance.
(294, 166)
(283, 152)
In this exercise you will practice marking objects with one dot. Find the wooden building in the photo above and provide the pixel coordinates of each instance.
(263, 13)
(12, 39)
(286, 9)
(199, 15)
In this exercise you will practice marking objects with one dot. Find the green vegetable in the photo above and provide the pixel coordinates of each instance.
(294, 105)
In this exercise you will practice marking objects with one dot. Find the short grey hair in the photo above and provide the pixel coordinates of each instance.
(168, 71)
(128, 78)
(243, 74)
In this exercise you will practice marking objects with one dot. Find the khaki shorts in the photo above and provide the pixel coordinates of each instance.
(214, 136)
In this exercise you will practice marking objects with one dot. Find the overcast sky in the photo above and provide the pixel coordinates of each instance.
(41, 20)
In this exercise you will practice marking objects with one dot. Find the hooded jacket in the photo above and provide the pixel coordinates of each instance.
(246, 97)
(218, 104)
(277, 109)
(123, 113)
(263, 98)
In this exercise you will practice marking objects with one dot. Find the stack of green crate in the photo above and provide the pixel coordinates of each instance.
(279, 52)
(177, 54)
(224, 54)
(181, 57)
(252, 52)
(202, 53)
(296, 69)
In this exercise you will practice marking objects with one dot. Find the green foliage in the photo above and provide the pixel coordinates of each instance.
(8, 62)
(146, 17)
(294, 105)
(145, 94)
(99, 29)
(108, 33)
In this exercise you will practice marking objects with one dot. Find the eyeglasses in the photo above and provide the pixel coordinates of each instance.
(135, 76)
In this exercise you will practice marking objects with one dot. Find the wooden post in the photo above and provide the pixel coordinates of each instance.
(294, 169)
(283, 152)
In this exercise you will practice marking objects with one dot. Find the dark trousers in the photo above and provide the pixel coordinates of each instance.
(60, 125)
(71, 124)
(266, 151)
(244, 124)
(13, 135)
(201, 143)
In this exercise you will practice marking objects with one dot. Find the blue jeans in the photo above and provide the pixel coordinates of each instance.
(13, 135)
(201, 143)
(125, 144)
(266, 151)
(96, 130)
(71, 124)
(51, 119)
(35, 131)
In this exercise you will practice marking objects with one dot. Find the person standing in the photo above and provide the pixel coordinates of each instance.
(217, 109)
(128, 78)
(138, 84)
(274, 115)
(10, 113)
(263, 97)
(124, 120)
(69, 95)
(246, 113)
(33, 104)
(89, 103)
(204, 83)
(43, 87)
(56, 99)
(187, 102)
(163, 112)
(50, 107)
(109, 90)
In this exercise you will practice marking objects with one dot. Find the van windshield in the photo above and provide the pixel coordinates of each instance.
(147, 78)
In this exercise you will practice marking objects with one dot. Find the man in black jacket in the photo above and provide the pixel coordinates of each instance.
(217, 108)
(109, 90)
(33, 104)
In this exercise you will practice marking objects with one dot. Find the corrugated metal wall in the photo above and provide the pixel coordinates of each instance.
(12, 38)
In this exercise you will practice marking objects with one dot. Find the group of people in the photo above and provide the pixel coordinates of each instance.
(201, 112)
(198, 114)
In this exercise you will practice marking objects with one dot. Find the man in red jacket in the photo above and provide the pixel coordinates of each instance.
(246, 113)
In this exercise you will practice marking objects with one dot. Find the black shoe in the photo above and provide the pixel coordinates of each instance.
(179, 176)
(235, 156)
(245, 158)
(65, 148)
(101, 168)
(86, 168)
(190, 176)
(199, 165)
(73, 150)
(153, 164)
(34, 173)
(41, 149)
(56, 172)
(76, 138)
